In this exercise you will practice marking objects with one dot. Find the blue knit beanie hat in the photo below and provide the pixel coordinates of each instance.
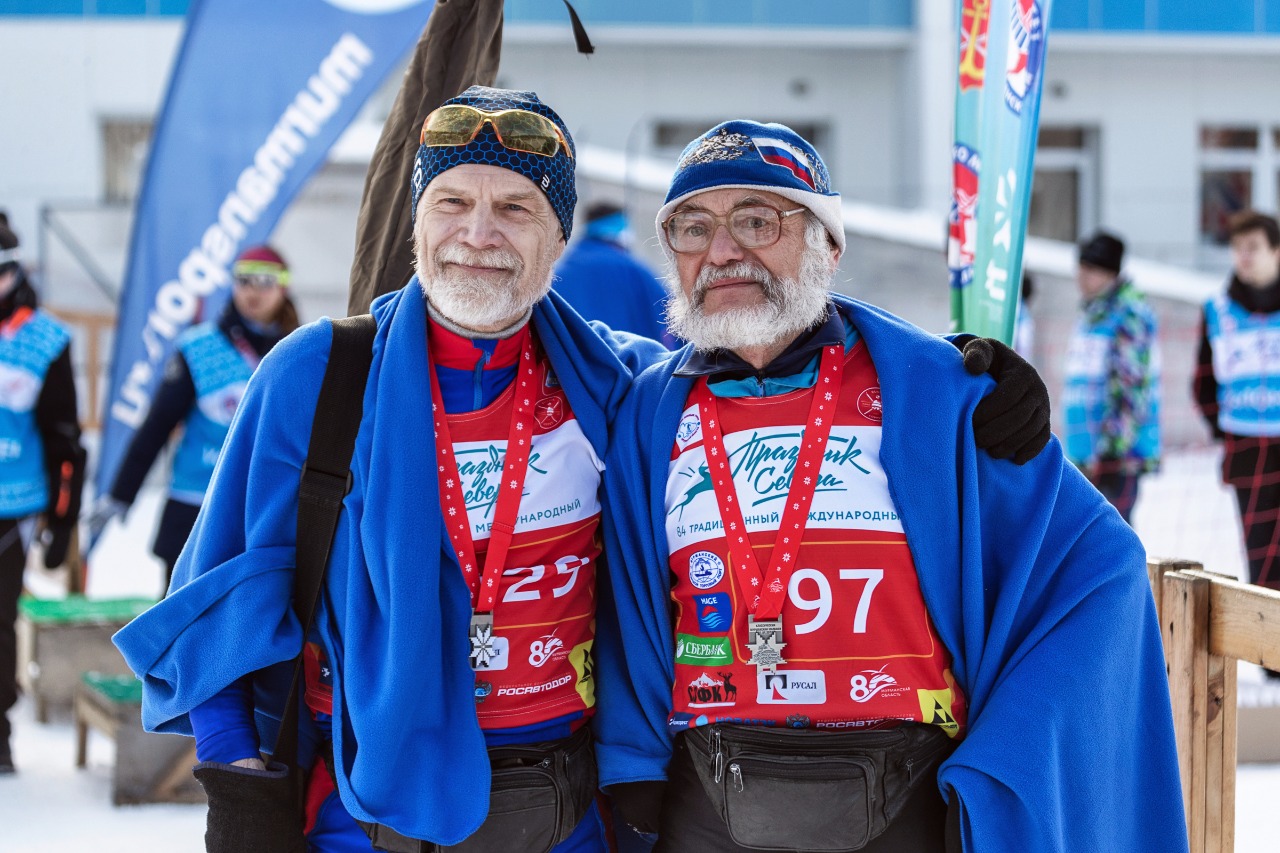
(553, 175)
(748, 154)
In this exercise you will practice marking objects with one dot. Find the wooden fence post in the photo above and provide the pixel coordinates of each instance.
(1185, 626)
(1157, 568)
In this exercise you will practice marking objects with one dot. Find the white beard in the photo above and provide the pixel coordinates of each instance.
(791, 305)
(476, 302)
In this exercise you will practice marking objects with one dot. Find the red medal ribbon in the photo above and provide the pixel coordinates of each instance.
(804, 482)
(484, 588)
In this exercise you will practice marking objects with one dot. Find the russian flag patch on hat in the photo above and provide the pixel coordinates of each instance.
(778, 153)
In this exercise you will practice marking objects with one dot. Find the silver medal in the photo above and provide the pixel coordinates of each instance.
(764, 639)
(484, 646)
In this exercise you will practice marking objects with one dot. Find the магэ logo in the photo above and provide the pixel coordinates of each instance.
(714, 611)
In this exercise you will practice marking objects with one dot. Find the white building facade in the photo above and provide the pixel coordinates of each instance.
(1158, 117)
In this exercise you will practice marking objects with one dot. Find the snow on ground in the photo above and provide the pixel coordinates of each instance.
(51, 807)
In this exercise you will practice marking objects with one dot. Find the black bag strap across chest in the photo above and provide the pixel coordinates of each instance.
(326, 479)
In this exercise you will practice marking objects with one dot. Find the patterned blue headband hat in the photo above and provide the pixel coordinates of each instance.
(746, 155)
(553, 175)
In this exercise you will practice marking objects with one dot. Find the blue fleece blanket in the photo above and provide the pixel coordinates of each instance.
(1034, 583)
(394, 616)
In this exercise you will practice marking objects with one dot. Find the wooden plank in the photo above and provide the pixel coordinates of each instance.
(1185, 625)
(1229, 757)
(1245, 622)
(1158, 567)
(177, 777)
(1215, 770)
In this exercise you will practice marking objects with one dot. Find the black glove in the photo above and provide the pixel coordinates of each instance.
(1012, 422)
(56, 539)
(251, 811)
(65, 459)
(638, 804)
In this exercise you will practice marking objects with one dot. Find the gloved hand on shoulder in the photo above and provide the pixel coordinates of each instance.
(1012, 422)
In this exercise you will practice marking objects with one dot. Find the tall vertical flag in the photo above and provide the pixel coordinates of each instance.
(997, 119)
(258, 94)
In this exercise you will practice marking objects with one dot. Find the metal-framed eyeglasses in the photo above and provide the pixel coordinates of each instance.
(752, 226)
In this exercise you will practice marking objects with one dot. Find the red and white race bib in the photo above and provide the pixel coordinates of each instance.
(544, 611)
(861, 651)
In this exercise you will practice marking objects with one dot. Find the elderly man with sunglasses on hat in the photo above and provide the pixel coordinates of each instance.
(456, 636)
(845, 629)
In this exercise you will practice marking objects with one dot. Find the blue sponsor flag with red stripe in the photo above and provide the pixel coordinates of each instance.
(259, 93)
(997, 120)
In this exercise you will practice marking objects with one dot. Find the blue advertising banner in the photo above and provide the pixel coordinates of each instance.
(259, 93)
(997, 123)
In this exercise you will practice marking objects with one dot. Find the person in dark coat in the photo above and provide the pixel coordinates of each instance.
(43, 461)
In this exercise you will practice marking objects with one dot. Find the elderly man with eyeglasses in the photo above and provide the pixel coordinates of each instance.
(845, 629)
(450, 674)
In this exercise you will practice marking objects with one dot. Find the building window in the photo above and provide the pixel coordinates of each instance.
(1064, 195)
(125, 143)
(1239, 168)
(1223, 192)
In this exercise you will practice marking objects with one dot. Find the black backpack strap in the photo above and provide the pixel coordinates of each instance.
(326, 479)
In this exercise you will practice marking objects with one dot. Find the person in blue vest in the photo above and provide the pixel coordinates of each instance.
(604, 281)
(844, 628)
(1111, 401)
(41, 459)
(201, 388)
(1237, 386)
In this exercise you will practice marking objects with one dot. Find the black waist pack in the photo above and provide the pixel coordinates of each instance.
(798, 789)
(538, 795)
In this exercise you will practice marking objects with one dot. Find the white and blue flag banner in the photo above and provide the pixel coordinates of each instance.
(259, 93)
(998, 86)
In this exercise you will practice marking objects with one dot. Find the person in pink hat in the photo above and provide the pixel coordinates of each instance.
(201, 389)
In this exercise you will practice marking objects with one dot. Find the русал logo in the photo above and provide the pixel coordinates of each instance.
(792, 687)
